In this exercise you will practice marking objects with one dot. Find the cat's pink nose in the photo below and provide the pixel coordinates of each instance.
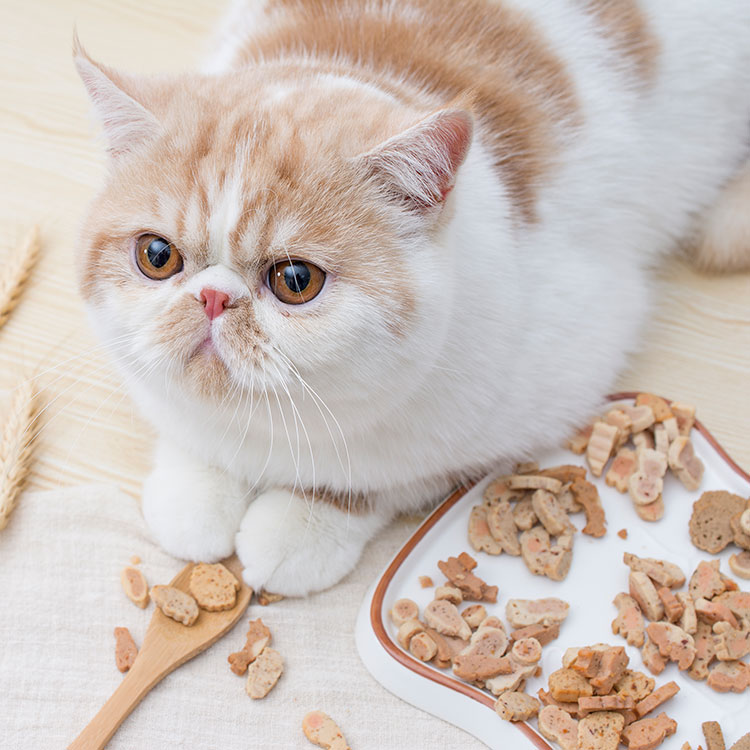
(214, 302)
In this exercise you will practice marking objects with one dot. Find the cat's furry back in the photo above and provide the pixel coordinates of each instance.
(487, 186)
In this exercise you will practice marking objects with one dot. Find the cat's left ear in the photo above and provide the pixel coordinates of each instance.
(126, 122)
(419, 166)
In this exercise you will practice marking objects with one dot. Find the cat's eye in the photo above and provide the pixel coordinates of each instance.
(295, 282)
(156, 257)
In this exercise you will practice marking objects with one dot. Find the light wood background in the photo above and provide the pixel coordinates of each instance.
(696, 349)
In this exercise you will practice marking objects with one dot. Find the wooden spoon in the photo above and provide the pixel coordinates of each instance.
(167, 645)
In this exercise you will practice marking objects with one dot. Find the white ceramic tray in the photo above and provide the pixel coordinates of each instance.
(596, 576)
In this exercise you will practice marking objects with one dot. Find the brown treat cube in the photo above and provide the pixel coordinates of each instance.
(673, 608)
(713, 734)
(566, 685)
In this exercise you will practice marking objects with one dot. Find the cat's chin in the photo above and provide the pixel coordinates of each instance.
(206, 372)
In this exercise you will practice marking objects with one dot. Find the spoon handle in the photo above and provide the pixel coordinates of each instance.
(143, 675)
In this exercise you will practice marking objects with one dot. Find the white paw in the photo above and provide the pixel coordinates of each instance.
(192, 510)
(288, 549)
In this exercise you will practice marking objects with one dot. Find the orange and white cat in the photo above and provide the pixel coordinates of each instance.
(381, 246)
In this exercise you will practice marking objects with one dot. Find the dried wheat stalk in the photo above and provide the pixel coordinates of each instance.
(16, 448)
(16, 273)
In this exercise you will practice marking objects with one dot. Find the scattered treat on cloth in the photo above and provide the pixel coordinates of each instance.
(257, 638)
(321, 730)
(125, 649)
(264, 673)
(135, 586)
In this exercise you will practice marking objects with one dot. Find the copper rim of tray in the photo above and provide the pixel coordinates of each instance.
(406, 659)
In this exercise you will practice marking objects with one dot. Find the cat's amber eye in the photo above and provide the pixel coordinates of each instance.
(156, 257)
(295, 282)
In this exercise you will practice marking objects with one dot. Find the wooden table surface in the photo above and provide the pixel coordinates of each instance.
(697, 347)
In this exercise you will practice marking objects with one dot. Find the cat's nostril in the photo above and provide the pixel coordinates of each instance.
(214, 302)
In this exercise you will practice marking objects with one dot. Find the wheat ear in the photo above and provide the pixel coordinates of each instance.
(16, 448)
(16, 273)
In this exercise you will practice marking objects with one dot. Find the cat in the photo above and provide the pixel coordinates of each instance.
(377, 248)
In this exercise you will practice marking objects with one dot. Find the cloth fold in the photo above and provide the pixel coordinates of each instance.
(60, 562)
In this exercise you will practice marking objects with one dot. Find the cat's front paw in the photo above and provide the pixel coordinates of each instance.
(192, 510)
(291, 548)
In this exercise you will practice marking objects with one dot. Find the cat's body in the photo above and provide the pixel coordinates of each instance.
(465, 322)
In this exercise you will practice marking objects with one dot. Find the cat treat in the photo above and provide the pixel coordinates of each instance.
(135, 586)
(213, 587)
(322, 730)
(264, 673)
(175, 604)
(125, 649)
(257, 638)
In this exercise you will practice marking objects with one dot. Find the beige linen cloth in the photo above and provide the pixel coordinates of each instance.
(60, 561)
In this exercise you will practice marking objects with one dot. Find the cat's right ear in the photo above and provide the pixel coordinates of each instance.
(126, 123)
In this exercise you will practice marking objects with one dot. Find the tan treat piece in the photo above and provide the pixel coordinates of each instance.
(213, 587)
(458, 571)
(622, 468)
(730, 643)
(745, 520)
(706, 582)
(648, 734)
(546, 699)
(257, 638)
(443, 616)
(647, 482)
(543, 633)
(321, 730)
(605, 703)
(479, 532)
(557, 725)
(653, 660)
(689, 619)
(175, 604)
(715, 611)
(264, 673)
(611, 668)
(644, 592)
(426, 582)
(660, 571)
(580, 440)
(601, 445)
(740, 564)
(503, 528)
(587, 495)
(523, 514)
(449, 593)
(713, 734)
(685, 416)
(739, 536)
(641, 417)
(673, 643)
(672, 429)
(505, 683)
(135, 560)
(407, 631)
(643, 440)
(739, 603)
(567, 686)
(657, 698)
(513, 706)
(635, 685)
(474, 615)
(125, 649)
(652, 512)
(622, 421)
(267, 597)
(600, 731)
(497, 489)
(422, 646)
(673, 608)
(661, 439)
(534, 482)
(492, 622)
(403, 610)
(523, 612)
(629, 621)
(535, 549)
(134, 584)
(446, 647)
(658, 405)
(527, 651)
(687, 467)
(560, 557)
(743, 743)
(705, 653)
(729, 675)
(566, 473)
(550, 513)
(710, 527)
(481, 659)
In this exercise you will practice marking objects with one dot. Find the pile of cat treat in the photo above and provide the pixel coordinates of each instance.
(594, 701)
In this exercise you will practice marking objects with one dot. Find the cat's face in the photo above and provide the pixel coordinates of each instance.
(243, 240)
